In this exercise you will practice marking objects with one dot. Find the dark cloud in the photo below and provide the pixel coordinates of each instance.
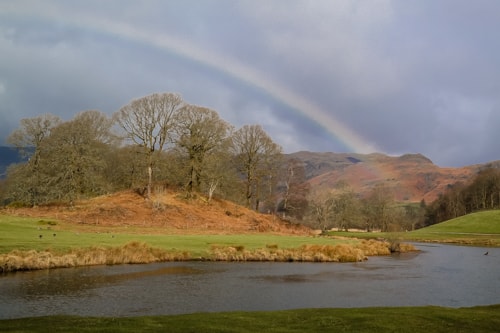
(406, 76)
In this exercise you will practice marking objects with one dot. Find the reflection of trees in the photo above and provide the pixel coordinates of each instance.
(59, 282)
(78, 281)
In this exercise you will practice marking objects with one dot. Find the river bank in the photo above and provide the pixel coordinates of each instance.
(142, 253)
(482, 319)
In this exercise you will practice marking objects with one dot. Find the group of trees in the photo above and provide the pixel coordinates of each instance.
(161, 140)
(66, 159)
(461, 199)
(344, 209)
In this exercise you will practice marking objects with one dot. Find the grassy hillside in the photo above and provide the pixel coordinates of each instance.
(168, 211)
(481, 229)
(487, 222)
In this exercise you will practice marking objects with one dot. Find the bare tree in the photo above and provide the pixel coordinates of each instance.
(295, 190)
(28, 138)
(148, 122)
(254, 150)
(199, 132)
(321, 209)
(377, 208)
(346, 209)
(218, 172)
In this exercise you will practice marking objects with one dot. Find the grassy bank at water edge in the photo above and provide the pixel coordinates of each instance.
(27, 243)
(404, 319)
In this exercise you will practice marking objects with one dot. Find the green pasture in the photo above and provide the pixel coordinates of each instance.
(24, 234)
(487, 222)
(481, 228)
(386, 319)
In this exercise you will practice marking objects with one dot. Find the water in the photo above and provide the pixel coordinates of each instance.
(443, 275)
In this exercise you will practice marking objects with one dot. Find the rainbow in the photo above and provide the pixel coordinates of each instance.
(214, 61)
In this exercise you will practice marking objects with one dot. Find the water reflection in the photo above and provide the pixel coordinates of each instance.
(78, 281)
(438, 275)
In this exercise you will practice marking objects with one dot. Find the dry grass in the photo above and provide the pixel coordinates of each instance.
(309, 253)
(373, 247)
(131, 253)
(141, 253)
(165, 211)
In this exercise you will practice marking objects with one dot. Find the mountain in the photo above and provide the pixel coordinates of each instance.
(411, 177)
(8, 155)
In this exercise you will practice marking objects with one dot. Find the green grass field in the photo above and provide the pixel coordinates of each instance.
(18, 233)
(487, 222)
(481, 228)
(402, 319)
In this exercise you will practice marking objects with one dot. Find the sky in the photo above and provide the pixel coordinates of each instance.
(356, 76)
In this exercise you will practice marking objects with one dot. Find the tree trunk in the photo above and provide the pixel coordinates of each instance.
(150, 180)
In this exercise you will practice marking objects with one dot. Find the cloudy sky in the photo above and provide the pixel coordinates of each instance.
(401, 76)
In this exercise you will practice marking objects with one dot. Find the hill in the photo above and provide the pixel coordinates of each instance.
(168, 211)
(411, 177)
(478, 229)
(480, 223)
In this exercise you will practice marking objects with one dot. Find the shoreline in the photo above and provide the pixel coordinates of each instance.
(142, 253)
(481, 318)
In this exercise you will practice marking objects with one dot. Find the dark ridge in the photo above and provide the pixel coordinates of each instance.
(415, 157)
(353, 160)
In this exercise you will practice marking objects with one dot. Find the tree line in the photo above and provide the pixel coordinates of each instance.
(343, 209)
(154, 141)
(482, 193)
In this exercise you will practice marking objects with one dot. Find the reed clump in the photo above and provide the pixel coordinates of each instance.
(374, 247)
(307, 253)
(131, 253)
(310, 253)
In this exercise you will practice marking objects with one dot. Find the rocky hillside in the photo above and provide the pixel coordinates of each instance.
(411, 177)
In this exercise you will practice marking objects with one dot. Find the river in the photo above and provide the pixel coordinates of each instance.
(443, 275)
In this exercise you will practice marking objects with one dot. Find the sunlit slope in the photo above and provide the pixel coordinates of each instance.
(487, 222)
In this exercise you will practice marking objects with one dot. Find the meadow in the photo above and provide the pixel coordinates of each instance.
(384, 319)
(31, 243)
(479, 229)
